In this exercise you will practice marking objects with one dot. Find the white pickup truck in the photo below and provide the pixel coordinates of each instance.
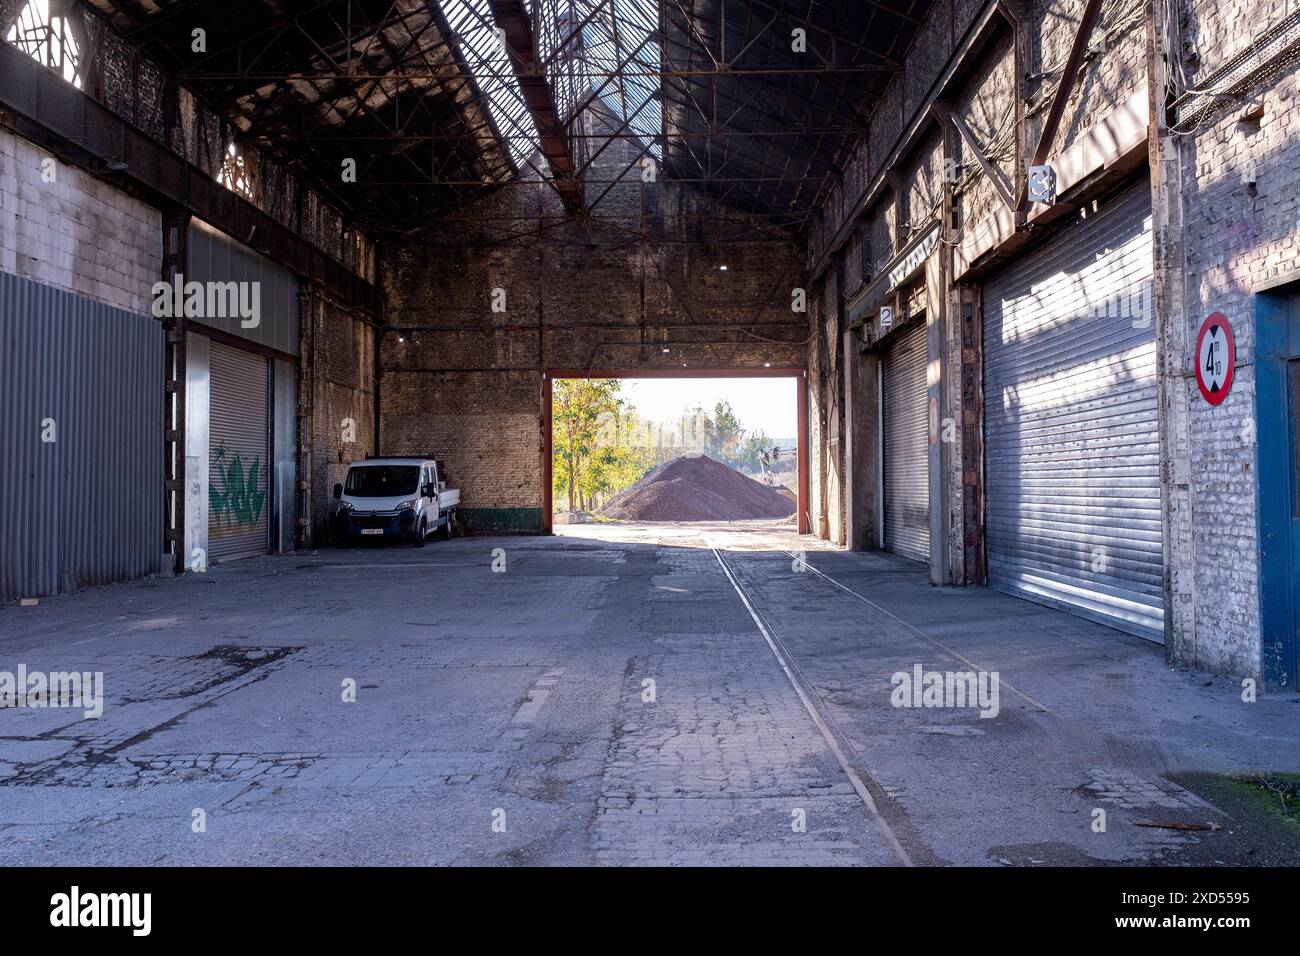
(402, 498)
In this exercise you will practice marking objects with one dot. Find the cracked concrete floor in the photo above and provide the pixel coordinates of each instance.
(608, 698)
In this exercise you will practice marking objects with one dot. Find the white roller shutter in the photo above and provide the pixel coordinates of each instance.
(907, 455)
(1072, 450)
(239, 500)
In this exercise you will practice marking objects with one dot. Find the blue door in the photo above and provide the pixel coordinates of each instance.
(1293, 389)
(1277, 410)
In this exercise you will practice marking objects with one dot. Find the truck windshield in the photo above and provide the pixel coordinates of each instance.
(382, 481)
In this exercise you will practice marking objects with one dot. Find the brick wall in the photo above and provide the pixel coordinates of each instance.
(75, 233)
(1239, 241)
(640, 276)
(343, 413)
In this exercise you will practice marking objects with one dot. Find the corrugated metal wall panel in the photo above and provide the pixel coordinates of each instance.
(86, 508)
(1072, 449)
(907, 453)
(215, 257)
(239, 487)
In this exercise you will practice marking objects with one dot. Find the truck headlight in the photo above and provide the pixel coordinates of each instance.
(404, 505)
(345, 506)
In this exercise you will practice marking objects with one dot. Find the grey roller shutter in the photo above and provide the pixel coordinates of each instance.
(239, 501)
(1072, 450)
(907, 455)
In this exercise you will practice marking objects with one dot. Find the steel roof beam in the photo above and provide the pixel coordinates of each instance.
(513, 20)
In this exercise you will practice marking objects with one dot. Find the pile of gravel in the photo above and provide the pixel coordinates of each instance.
(697, 488)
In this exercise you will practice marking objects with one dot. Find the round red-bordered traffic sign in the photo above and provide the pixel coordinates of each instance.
(1216, 358)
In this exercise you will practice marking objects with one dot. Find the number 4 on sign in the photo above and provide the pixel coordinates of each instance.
(1216, 356)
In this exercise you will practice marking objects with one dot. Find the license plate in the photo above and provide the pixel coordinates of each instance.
(372, 530)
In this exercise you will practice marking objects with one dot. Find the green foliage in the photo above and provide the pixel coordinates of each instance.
(749, 455)
(592, 455)
(722, 433)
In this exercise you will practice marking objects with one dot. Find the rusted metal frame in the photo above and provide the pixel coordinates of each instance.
(465, 76)
(194, 66)
(369, 113)
(577, 31)
(837, 164)
(757, 70)
(376, 32)
(467, 184)
(1016, 13)
(762, 31)
(1073, 63)
(398, 57)
(167, 14)
(132, 11)
(175, 262)
(539, 98)
(686, 90)
(947, 115)
(595, 94)
(815, 142)
(691, 31)
(804, 522)
(360, 92)
(535, 228)
(850, 144)
(354, 89)
(605, 192)
(817, 145)
(89, 66)
(610, 140)
(973, 43)
(48, 107)
(836, 37)
(727, 151)
(728, 154)
(783, 119)
(270, 43)
(618, 51)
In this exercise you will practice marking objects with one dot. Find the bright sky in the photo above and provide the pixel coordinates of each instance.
(759, 403)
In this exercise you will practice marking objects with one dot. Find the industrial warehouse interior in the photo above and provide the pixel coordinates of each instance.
(639, 433)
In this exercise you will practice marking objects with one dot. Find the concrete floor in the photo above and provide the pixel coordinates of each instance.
(519, 698)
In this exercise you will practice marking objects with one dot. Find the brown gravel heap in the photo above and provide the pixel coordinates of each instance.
(697, 488)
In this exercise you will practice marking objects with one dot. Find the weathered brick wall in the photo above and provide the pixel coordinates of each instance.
(76, 233)
(641, 276)
(1239, 241)
(343, 414)
(987, 103)
(909, 196)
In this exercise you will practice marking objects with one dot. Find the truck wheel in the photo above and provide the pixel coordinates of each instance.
(451, 516)
(420, 533)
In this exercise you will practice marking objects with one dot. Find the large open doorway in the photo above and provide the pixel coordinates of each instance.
(780, 445)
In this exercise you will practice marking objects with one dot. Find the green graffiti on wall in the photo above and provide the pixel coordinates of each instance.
(240, 499)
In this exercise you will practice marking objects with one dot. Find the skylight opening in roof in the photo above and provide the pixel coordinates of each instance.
(623, 57)
(489, 63)
(48, 39)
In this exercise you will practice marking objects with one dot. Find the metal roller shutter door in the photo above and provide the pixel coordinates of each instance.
(907, 454)
(1071, 437)
(238, 463)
